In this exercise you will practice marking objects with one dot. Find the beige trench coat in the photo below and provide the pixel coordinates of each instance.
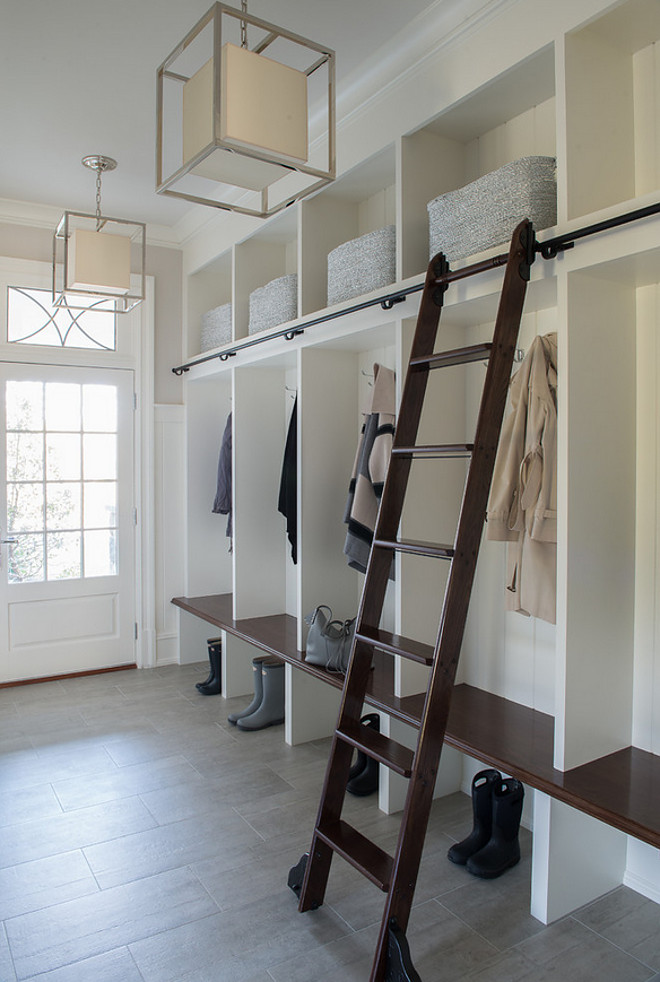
(522, 509)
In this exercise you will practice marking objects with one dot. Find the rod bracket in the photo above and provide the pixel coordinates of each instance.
(290, 335)
(227, 354)
(391, 301)
(181, 370)
(552, 248)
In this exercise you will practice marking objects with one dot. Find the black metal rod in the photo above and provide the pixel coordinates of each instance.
(551, 247)
(548, 249)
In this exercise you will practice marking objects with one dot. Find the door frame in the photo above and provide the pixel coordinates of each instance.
(140, 358)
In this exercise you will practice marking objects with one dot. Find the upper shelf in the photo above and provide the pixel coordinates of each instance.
(501, 733)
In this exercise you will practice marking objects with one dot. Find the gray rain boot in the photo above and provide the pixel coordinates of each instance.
(503, 850)
(258, 691)
(483, 785)
(271, 710)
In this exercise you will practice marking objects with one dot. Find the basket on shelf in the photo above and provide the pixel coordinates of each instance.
(216, 327)
(362, 265)
(274, 303)
(485, 213)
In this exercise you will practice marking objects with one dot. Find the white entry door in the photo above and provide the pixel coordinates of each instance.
(67, 520)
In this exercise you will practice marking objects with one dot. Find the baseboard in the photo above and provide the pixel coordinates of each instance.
(70, 675)
(640, 884)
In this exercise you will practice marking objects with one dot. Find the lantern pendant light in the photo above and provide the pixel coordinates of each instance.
(239, 129)
(95, 256)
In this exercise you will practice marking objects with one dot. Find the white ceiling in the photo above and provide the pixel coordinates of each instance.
(77, 77)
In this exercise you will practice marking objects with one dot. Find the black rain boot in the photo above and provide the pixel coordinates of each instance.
(271, 710)
(503, 850)
(212, 688)
(483, 784)
(257, 662)
(209, 642)
(366, 781)
(372, 720)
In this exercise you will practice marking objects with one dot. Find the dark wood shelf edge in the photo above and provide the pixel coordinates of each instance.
(621, 789)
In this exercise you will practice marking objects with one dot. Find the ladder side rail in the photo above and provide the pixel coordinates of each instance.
(457, 596)
(373, 593)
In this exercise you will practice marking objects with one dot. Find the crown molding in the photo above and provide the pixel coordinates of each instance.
(40, 216)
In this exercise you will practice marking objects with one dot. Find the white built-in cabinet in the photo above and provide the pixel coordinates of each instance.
(588, 93)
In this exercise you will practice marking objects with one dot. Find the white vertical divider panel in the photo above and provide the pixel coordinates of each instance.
(326, 221)
(596, 517)
(646, 692)
(646, 82)
(259, 538)
(329, 427)
(575, 859)
(237, 671)
(311, 707)
(257, 262)
(429, 165)
(209, 567)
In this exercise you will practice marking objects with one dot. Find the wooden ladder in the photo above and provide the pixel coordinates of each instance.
(397, 875)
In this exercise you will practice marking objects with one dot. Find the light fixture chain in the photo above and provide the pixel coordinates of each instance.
(99, 171)
(244, 42)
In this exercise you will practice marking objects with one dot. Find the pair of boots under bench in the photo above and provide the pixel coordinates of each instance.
(212, 685)
(267, 706)
(492, 847)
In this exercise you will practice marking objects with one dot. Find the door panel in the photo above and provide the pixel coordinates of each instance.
(66, 506)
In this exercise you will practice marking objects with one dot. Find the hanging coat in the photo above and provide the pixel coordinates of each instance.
(522, 509)
(287, 503)
(370, 469)
(222, 502)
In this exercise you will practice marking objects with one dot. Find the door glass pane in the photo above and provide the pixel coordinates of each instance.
(100, 510)
(100, 408)
(63, 555)
(99, 457)
(101, 553)
(62, 506)
(25, 507)
(26, 559)
(62, 406)
(64, 509)
(25, 456)
(25, 406)
(63, 457)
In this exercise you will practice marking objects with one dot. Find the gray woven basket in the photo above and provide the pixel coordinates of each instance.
(274, 303)
(485, 213)
(362, 265)
(216, 327)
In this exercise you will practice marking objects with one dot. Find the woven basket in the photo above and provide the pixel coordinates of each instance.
(274, 303)
(216, 327)
(362, 265)
(486, 212)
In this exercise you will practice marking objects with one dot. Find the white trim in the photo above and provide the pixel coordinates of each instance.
(640, 884)
(145, 488)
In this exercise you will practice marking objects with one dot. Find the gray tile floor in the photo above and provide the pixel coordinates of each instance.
(143, 839)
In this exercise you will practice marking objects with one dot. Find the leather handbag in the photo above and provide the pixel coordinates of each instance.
(329, 641)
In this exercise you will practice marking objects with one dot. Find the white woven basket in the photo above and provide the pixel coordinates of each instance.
(485, 213)
(362, 265)
(274, 303)
(216, 327)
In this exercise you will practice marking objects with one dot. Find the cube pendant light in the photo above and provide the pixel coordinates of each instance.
(234, 123)
(97, 256)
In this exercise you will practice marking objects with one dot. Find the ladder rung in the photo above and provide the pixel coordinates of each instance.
(368, 858)
(441, 450)
(418, 548)
(396, 644)
(457, 356)
(388, 752)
